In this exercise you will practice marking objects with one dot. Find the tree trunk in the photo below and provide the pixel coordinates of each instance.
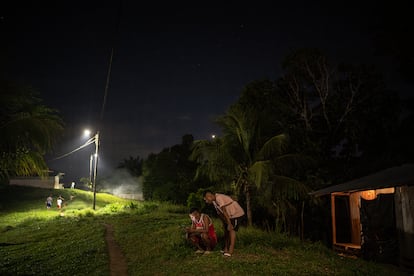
(248, 206)
(302, 223)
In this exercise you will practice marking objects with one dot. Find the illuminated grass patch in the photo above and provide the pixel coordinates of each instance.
(36, 241)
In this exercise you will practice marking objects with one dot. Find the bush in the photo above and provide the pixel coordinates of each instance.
(132, 205)
(196, 199)
(149, 206)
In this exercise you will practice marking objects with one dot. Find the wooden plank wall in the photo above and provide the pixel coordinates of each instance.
(404, 213)
(355, 217)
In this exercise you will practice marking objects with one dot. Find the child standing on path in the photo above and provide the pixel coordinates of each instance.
(49, 200)
(59, 202)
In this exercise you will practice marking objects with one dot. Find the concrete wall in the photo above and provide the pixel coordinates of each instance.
(51, 182)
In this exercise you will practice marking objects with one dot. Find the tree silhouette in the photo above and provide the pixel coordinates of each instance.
(29, 130)
(243, 158)
(133, 165)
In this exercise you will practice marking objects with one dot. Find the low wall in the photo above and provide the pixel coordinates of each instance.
(38, 182)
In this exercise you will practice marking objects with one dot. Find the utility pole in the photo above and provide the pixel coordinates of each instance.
(95, 171)
(90, 169)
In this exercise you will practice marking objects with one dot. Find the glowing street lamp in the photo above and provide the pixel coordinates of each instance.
(87, 133)
(94, 139)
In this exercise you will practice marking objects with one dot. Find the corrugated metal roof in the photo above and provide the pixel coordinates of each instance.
(395, 176)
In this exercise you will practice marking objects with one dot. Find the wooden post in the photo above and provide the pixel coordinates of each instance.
(333, 219)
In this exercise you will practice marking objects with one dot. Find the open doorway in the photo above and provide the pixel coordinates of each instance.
(379, 232)
(342, 219)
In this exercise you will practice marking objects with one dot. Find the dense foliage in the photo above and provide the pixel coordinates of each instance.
(169, 175)
(28, 129)
(344, 116)
(317, 124)
(133, 165)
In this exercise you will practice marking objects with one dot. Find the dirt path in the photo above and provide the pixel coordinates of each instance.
(117, 262)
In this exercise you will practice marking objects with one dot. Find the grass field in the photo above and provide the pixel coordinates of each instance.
(36, 241)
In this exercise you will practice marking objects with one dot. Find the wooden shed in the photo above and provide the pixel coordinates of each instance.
(373, 216)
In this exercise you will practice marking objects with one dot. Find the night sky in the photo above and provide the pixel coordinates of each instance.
(174, 68)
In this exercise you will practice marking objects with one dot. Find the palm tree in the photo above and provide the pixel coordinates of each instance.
(246, 158)
(29, 130)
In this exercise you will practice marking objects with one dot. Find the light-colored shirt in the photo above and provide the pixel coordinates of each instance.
(233, 208)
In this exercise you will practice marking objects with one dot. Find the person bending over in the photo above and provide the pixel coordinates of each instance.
(231, 213)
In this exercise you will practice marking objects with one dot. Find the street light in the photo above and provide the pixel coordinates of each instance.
(95, 140)
(87, 133)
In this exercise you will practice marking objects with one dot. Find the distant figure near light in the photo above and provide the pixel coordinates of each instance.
(72, 186)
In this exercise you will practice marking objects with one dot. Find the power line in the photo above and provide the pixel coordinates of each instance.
(108, 77)
(87, 143)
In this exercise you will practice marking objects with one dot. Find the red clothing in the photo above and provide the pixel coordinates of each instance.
(212, 235)
(211, 231)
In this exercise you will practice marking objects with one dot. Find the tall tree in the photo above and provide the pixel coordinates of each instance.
(242, 157)
(29, 130)
(343, 113)
(169, 174)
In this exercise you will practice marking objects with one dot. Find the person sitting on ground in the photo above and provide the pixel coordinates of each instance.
(201, 233)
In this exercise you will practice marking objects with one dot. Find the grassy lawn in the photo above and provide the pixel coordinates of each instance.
(36, 241)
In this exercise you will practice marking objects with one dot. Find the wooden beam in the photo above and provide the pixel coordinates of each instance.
(333, 219)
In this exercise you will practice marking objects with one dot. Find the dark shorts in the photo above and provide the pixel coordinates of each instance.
(235, 222)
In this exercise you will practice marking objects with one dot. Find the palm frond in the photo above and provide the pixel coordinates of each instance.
(29, 130)
(275, 146)
(260, 172)
(240, 126)
(290, 163)
(213, 159)
(289, 188)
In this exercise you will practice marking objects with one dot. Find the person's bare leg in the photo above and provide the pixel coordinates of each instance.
(195, 242)
(206, 241)
(226, 240)
(232, 240)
